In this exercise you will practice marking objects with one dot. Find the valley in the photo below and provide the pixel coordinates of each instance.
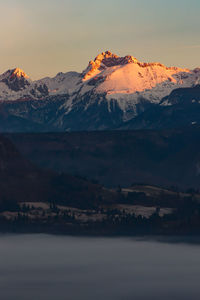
(48, 183)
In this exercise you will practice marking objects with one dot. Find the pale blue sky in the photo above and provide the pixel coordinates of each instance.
(44, 37)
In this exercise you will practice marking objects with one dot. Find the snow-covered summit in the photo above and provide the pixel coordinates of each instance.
(122, 84)
(17, 72)
(104, 61)
(62, 83)
(15, 84)
(15, 79)
(126, 75)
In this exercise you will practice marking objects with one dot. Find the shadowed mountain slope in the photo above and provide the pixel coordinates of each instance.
(182, 110)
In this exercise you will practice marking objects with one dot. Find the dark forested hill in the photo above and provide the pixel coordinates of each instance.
(119, 157)
(21, 181)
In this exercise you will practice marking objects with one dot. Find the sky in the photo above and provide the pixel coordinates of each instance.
(44, 37)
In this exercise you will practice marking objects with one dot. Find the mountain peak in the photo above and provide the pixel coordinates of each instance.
(15, 79)
(19, 73)
(14, 73)
(105, 60)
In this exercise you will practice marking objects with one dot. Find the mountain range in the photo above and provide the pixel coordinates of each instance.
(111, 93)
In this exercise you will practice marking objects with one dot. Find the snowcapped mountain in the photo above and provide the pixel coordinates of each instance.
(15, 79)
(62, 83)
(112, 90)
(127, 78)
(15, 84)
